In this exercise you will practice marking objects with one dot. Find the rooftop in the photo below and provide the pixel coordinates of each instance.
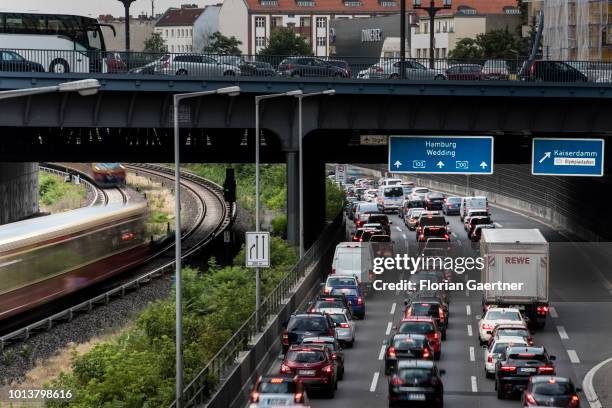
(179, 17)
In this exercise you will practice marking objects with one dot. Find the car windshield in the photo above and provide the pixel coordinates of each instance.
(338, 318)
(499, 347)
(453, 200)
(277, 386)
(404, 343)
(306, 356)
(394, 192)
(345, 291)
(415, 376)
(324, 304)
(513, 332)
(416, 327)
(552, 388)
(503, 315)
(368, 207)
(425, 309)
(339, 281)
(526, 356)
(315, 323)
(380, 238)
(432, 221)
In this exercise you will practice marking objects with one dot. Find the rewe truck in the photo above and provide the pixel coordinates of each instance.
(517, 256)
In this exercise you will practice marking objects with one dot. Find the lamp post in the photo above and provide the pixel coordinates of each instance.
(402, 39)
(84, 87)
(231, 91)
(301, 162)
(432, 9)
(126, 5)
(258, 99)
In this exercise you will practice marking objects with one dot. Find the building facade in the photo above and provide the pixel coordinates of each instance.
(253, 21)
(141, 29)
(176, 27)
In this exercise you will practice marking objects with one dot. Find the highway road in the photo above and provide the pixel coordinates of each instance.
(577, 331)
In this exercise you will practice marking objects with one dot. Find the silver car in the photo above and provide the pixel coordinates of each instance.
(390, 69)
(194, 64)
(345, 327)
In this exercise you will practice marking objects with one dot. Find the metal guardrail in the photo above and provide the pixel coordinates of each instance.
(205, 382)
(296, 67)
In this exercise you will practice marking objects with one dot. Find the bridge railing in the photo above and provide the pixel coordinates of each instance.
(206, 65)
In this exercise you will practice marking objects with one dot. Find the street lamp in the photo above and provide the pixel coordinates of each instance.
(432, 9)
(258, 99)
(231, 91)
(301, 162)
(126, 5)
(84, 87)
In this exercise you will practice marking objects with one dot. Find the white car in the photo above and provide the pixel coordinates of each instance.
(495, 316)
(412, 217)
(473, 213)
(419, 193)
(495, 350)
(345, 329)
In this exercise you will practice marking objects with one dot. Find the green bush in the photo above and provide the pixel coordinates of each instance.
(55, 193)
(334, 199)
(279, 225)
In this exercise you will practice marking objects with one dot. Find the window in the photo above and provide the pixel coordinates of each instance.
(260, 22)
(166, 33)
(321, 42)
(387, 3)
(425, 28)
(437, 26)
(260, 41)
(172, 48)
(305, 21)
(443, 54)
(321, 23)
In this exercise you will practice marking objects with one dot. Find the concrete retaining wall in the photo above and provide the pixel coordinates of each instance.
(18, 191)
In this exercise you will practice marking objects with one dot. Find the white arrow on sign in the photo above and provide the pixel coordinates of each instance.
(440, 164)
(397, 164)
(483, 165)
(546, 156)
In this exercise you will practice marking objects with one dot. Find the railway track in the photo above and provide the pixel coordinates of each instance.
(212, 216)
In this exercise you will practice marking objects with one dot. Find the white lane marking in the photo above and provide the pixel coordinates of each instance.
(388, 331)
(398, 228)
(454, 235)
(468, 310)
(469, 326)
(374, 382)
(498, 225)
(474, 384)
(472, 354)
(382, 352)
(573, 356)
(393, 308)
(467, 292)
(587, 385)
(562, 332)
(553, 312)
(459, 243)
(404, 236)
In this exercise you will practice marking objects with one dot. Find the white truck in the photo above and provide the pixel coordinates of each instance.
(519, 257)
(355, 259)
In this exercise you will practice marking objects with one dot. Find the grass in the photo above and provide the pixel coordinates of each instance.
(161, 204)
(55, 195)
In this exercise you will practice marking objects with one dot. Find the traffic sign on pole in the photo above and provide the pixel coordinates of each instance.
(441, 154)
(567, 157)
(340, 173)
(257, 249)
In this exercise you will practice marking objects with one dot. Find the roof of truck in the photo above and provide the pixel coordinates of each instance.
(509, 235)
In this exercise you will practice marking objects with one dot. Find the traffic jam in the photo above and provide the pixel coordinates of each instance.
(389, 216)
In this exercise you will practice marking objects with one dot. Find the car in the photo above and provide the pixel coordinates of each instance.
(373, 226)
(551, 71)
(416, 382)
(115, 63)
(496, 70)
(332, 303)
(434, 201)
(363, 210)
(297, 67)
(465, 72)
(382, 245)
(512, 329)
(383, 220)
(13, 62)
(274, 390)
(337, 280)
(438, 295)
(382, 238)
(429, 307)
(364, 234)
(474, 221)
(430, 225)
(195, 64)
(360, 193)
(313, 366)
(148, 69)
(473, 203)
(497, 346)
(419, 193)
(477, 233)
(551, 391)
(355, 299)
(301, 324)
(517, 364)
(340, 64)
(257, 68)
(333, 347)
(412, 217)
(406, 346)
(370, 195)
(473, 213)
(345, 328)
(451, 206)
(391, 69)
(423, 325)
(495, 316)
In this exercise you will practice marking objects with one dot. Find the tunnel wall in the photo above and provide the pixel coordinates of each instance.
(18, 191)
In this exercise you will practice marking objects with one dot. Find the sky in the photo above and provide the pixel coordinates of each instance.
(94, 7)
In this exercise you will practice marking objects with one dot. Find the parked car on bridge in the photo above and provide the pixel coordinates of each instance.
(390, 69)
(496, 69)
(14, 62)
(296, 67)
(465, 72)
(194, 64)
(551, 71)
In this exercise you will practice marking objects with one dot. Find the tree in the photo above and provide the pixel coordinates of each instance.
(155, 43)
(220, 44)
(284, 41)
(496, 44)
(467, 50)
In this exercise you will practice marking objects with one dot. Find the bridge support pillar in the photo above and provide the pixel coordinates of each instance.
(18, 191)
(293, 199)
(314, 198)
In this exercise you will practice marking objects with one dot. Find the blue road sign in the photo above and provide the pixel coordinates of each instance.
(441, 154)
(567, 157)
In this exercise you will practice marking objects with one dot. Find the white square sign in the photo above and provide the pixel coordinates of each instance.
(257, 249)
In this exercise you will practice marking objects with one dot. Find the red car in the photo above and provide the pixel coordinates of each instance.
(465, 72)
(423, 325)
(313, 366)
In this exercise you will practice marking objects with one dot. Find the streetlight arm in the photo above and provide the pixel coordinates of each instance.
(14, 93)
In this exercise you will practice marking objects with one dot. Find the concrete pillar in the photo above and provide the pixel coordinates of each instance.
(18, 191)
(314, 198)
(293, 198)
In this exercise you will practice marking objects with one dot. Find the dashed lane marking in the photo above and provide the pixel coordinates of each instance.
(498, 225)
(468, 310)
(454, 235)
(398, 228)
(573, 356)
(469, 329)
(388, 331)
(393, 306)
(404, 236)
(382, 352)
(553, 312)
(562, 332)
(472, 354)
(374, 381)
(474, 384)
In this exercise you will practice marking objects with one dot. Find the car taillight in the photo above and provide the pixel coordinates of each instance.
(290, 66)
(441, 312)
(298, 398)
(333, 271)
(507, 369)
(487, 326)
(344, 325)
(334, 356)
(532, 69)
(312, 310)
(546, 370)
(529, 399)
(391, 352)
(379, 69)
(359, 301)
(285, 338)
(285, 369)
(396, 380)
(326, 291)
(574, 401)
(490, 359)
(255, 396)
(542, 310)
(328, 369)
(422, 236)
(426, 353)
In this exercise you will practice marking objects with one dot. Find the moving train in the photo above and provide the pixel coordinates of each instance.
(45, 258)
(108, 174)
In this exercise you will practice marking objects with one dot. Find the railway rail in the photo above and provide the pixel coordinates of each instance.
(213, 216)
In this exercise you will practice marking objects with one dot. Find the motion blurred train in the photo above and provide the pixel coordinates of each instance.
(45, 258)
(108, 174)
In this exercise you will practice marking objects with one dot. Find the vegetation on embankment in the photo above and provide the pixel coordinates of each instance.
(55, 195)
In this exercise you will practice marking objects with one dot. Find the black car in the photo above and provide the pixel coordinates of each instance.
(333, 346)
(517, 365)
(474, 221)
(13, 62)
(257, 68)
(406, 346)
(432, 226)
(416, 382)
(550, 391)
(306, 325)
(429, 307)
(383, 220)
(297, 67)
(477, 233)
(551, 71)
(434, 201)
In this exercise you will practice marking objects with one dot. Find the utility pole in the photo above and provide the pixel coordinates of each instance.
(402, 39)
(432, 10)
(126, 5)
